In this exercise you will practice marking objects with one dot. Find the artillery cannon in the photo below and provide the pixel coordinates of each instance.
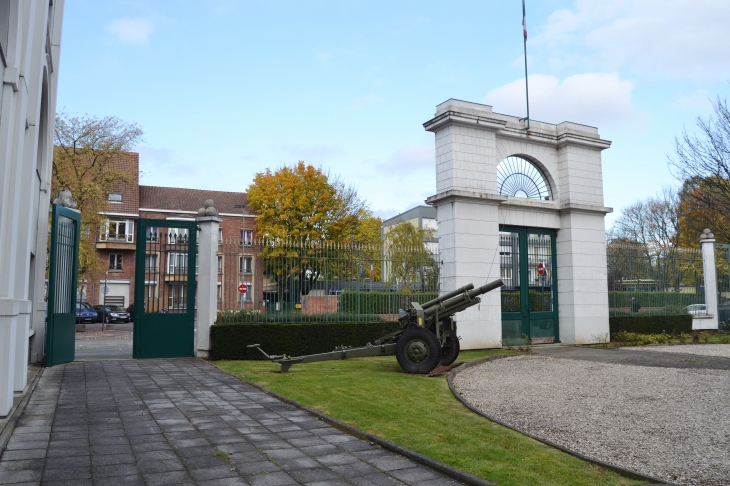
(427, 337)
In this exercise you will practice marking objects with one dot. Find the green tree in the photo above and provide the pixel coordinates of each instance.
(87, 159)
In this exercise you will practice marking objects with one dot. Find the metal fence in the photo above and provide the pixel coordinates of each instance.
(305, 281)
(654, 280)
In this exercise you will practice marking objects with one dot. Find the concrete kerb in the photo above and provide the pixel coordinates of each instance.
(624, 472)
(15, 414)
(444, 469)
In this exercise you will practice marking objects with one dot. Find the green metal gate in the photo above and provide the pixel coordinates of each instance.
(62, 285)
(530, 294)
(164, 290)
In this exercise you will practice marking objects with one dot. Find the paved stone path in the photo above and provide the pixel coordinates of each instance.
(636, 357)
(97, 344)
(183, 422)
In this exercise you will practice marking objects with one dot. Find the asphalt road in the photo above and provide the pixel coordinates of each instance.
(103, 345)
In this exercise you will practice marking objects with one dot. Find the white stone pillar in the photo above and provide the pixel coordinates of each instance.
(207, 287)
(21, 346)
(8, 340)
(707, 242)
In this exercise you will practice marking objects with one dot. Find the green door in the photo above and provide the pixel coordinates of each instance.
(164, 289)
(62, 284)
(530, 293)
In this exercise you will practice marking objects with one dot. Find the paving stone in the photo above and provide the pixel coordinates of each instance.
(313, 474)
(107, 459)
(66, 473)
(115, 470)
(31, 464)
(414, 475)
(215, 472)
(21, 476)
(62, 462)
(131, 480)
(271, 479)
(175, 477)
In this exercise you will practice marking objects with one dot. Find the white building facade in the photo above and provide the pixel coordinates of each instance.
(30, 43)
(525, 206)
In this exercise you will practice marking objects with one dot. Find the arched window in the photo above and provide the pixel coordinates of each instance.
(518, 177)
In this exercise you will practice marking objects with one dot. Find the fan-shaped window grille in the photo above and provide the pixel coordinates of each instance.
(518, 177)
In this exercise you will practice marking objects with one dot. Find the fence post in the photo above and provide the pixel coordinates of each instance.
(707, 242)
(207, 287)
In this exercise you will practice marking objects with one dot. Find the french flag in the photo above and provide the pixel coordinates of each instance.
(524, 20)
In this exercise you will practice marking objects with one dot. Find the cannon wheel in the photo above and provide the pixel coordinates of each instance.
(450, 351)
(418, 351)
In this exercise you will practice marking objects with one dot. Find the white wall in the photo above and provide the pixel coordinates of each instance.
(27, 110)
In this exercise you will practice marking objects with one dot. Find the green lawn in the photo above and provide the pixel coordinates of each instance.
(420, 413)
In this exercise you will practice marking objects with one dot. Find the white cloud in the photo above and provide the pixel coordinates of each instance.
(596, 99)
(698, 101)
(655, 38)
(131, 30)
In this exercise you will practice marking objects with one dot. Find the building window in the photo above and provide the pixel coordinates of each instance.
(152, 233)
(115, 261)
(220, 263)
(247, 237)
(115, 197)
(176, 298)
(150, 263)
(220, 236)
(116, 230)
(177, 263)
(220, 292)
(245, 265)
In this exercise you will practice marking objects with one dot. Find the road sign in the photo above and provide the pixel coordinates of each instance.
(242, 288)
(105, 290)
(540, 269)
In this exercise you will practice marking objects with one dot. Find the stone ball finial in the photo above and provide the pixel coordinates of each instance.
(65, 199)
(706, 234)
(208, 209)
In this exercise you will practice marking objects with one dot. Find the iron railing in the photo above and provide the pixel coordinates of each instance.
(306, 281)
(654, 280)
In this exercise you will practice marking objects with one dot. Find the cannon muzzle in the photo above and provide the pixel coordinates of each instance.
(460, 299)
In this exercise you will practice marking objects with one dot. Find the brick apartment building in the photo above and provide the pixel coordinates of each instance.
(116, 242)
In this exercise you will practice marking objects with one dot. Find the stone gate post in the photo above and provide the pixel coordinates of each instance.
(707, 242)
(207, 287)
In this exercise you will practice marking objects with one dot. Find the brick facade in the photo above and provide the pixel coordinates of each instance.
(117, 244)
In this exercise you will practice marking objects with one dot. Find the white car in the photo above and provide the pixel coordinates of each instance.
(696, 309)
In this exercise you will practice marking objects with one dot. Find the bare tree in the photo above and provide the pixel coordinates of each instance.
(702, 163)
(653, 222)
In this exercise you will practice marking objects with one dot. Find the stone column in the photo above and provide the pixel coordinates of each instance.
(207, 287)
(707, 242)
(8, 338)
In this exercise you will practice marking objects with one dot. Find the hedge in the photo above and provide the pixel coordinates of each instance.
(651, 324)
(538, 300)
(290, 317)
(229, 341)
(381, 302)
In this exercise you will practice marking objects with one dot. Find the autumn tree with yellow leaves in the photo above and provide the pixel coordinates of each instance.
(308, 220)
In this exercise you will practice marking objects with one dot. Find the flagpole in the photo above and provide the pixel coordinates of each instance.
(527, 91)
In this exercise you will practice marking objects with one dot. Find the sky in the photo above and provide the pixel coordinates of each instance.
(224, 89)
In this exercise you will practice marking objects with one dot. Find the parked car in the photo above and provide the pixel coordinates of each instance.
(111, 313)
(130, 311)
(696, 309)
(84, 313)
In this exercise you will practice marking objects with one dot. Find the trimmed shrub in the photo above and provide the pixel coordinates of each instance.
(381, 302)
(229, 341)
(290, 317)
(650, 324)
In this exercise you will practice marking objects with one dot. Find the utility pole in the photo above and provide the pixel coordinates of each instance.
(527, 92)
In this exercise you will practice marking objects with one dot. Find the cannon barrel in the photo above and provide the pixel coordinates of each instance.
(447, 296)
(463, 300)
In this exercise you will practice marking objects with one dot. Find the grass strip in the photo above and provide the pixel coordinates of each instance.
(421, 414)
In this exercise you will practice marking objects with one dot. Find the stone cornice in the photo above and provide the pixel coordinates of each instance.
(455, 194)
(515, 202)
(449, 117)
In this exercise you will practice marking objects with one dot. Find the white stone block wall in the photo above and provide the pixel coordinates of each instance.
(469, 243)
(470, 142)
(582, 278)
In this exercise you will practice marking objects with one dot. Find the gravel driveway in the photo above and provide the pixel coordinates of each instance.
(720, 350)
(668, 423)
